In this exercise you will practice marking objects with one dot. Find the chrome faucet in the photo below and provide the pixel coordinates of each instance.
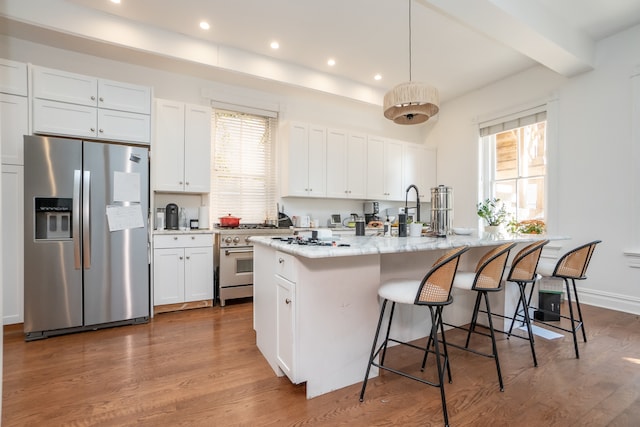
(406, 199)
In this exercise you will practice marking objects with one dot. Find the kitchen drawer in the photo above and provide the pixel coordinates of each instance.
(285, 266)
(182, 241)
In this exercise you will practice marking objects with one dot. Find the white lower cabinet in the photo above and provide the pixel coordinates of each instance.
(12, 244)
(286, 319)
(182, 268)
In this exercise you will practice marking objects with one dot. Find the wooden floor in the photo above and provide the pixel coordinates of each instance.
(201, 368)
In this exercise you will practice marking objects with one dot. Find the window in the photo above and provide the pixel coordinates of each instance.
(243, 181)
(516, 161)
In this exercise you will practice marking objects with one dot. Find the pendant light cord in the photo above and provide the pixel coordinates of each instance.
(410, 49)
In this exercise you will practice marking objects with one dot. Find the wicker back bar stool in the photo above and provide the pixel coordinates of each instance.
(486, 278)
(434, 292)
(522, 273)
(570, 267)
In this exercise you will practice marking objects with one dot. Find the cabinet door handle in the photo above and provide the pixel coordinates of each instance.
(180, 182)
(181, 258)
(101, 130)
(93, 98)
(280, 260)
(93, 129)
(187, 183)
(101, 99)
(188, 257)
(287, 301)
(175, 238)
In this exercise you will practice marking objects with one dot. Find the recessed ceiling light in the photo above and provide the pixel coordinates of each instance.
(377, 77)
(275, 45)
(331, 62)
(115, 1)
(204, 25)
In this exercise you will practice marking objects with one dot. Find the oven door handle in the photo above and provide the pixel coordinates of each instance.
(228, 252)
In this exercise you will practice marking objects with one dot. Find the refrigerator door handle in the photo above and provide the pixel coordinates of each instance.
(76, 219)
(86, 222)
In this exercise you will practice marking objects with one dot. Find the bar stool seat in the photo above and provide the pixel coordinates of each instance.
(433, 292)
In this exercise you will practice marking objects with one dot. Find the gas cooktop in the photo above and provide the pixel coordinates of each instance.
(297, 240)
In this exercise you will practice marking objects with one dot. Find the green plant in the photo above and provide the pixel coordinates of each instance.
(492, 211)
(531, 226)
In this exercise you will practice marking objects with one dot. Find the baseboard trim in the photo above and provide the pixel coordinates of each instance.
(610, 300)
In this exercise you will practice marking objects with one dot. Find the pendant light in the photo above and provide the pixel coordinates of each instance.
(411, 102)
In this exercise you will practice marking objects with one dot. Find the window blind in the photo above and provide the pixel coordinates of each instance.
(243, 181)
(509, 124)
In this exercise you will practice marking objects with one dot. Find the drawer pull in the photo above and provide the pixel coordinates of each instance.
(175, 238)
(287, 301)
(280, 260)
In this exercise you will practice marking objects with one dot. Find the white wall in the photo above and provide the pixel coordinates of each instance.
(590, 159)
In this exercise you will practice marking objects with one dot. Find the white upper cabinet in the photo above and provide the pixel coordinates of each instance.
(14, 124)
(181, 151)
(304, 160)
(72, 104)
(419, 168)
(346, 164)
(124, 97)
(13, 77)
(384, 169)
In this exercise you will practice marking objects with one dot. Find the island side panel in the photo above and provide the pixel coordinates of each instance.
(264, 304)
(337, 315)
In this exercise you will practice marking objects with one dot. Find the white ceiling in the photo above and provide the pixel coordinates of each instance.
(458, 45)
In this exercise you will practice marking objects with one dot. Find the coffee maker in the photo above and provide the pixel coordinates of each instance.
(171, 216)
(371, 212)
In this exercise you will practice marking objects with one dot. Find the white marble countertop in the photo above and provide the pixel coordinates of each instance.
(188, 232)
(370, 245)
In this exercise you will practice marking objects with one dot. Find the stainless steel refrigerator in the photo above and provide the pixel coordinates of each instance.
(86, 245)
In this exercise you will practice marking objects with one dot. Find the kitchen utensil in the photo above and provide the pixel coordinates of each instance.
(283, 220)
(360, 226)
(229, 221)
(402, 225)
(350, 221)
(171, 216)
(441, 210)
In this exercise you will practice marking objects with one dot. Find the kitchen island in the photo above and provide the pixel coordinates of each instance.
(316, 307)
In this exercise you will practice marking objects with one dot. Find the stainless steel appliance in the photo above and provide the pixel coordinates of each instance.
(86, 242)
(441, 210)
(371, 211)
(171, 216)
(233, 255)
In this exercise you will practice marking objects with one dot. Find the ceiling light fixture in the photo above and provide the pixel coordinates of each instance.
(377, 77)
(331, 62)
(411, 102)
(115, 1)
(275, 45)
(204, 25)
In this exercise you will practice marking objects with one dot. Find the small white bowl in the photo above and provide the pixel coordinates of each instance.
(463, 231)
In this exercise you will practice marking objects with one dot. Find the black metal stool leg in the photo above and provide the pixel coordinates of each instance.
(575, 293)
(527, 320)
(434, 335)
(373, 350)
(386, 337)
(573, 329)
(474, 320)
(493, 340)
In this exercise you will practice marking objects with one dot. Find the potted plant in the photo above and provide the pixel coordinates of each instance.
(493, 212)
(531, 226)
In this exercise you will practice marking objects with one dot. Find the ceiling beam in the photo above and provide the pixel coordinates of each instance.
(525, 26)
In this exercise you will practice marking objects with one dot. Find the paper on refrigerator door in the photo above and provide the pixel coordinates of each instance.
(126, 187)
(124, 217)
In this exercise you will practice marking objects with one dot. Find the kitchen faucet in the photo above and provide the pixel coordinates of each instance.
(417, 207)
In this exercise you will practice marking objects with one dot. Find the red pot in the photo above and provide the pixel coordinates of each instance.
(229, 221)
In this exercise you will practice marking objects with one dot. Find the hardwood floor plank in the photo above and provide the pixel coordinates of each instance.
(201, 367)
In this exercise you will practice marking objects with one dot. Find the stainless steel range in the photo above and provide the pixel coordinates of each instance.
(234, 257)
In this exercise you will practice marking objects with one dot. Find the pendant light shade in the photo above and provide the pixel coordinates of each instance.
(411, 102)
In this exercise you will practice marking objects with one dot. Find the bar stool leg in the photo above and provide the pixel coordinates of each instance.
(573, 328)
(474, 319)
(575, 292)
(527, 320)
(373, 350)
(493, 340)
(434, 334)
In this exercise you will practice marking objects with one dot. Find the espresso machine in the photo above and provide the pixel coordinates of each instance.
(371, 212)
